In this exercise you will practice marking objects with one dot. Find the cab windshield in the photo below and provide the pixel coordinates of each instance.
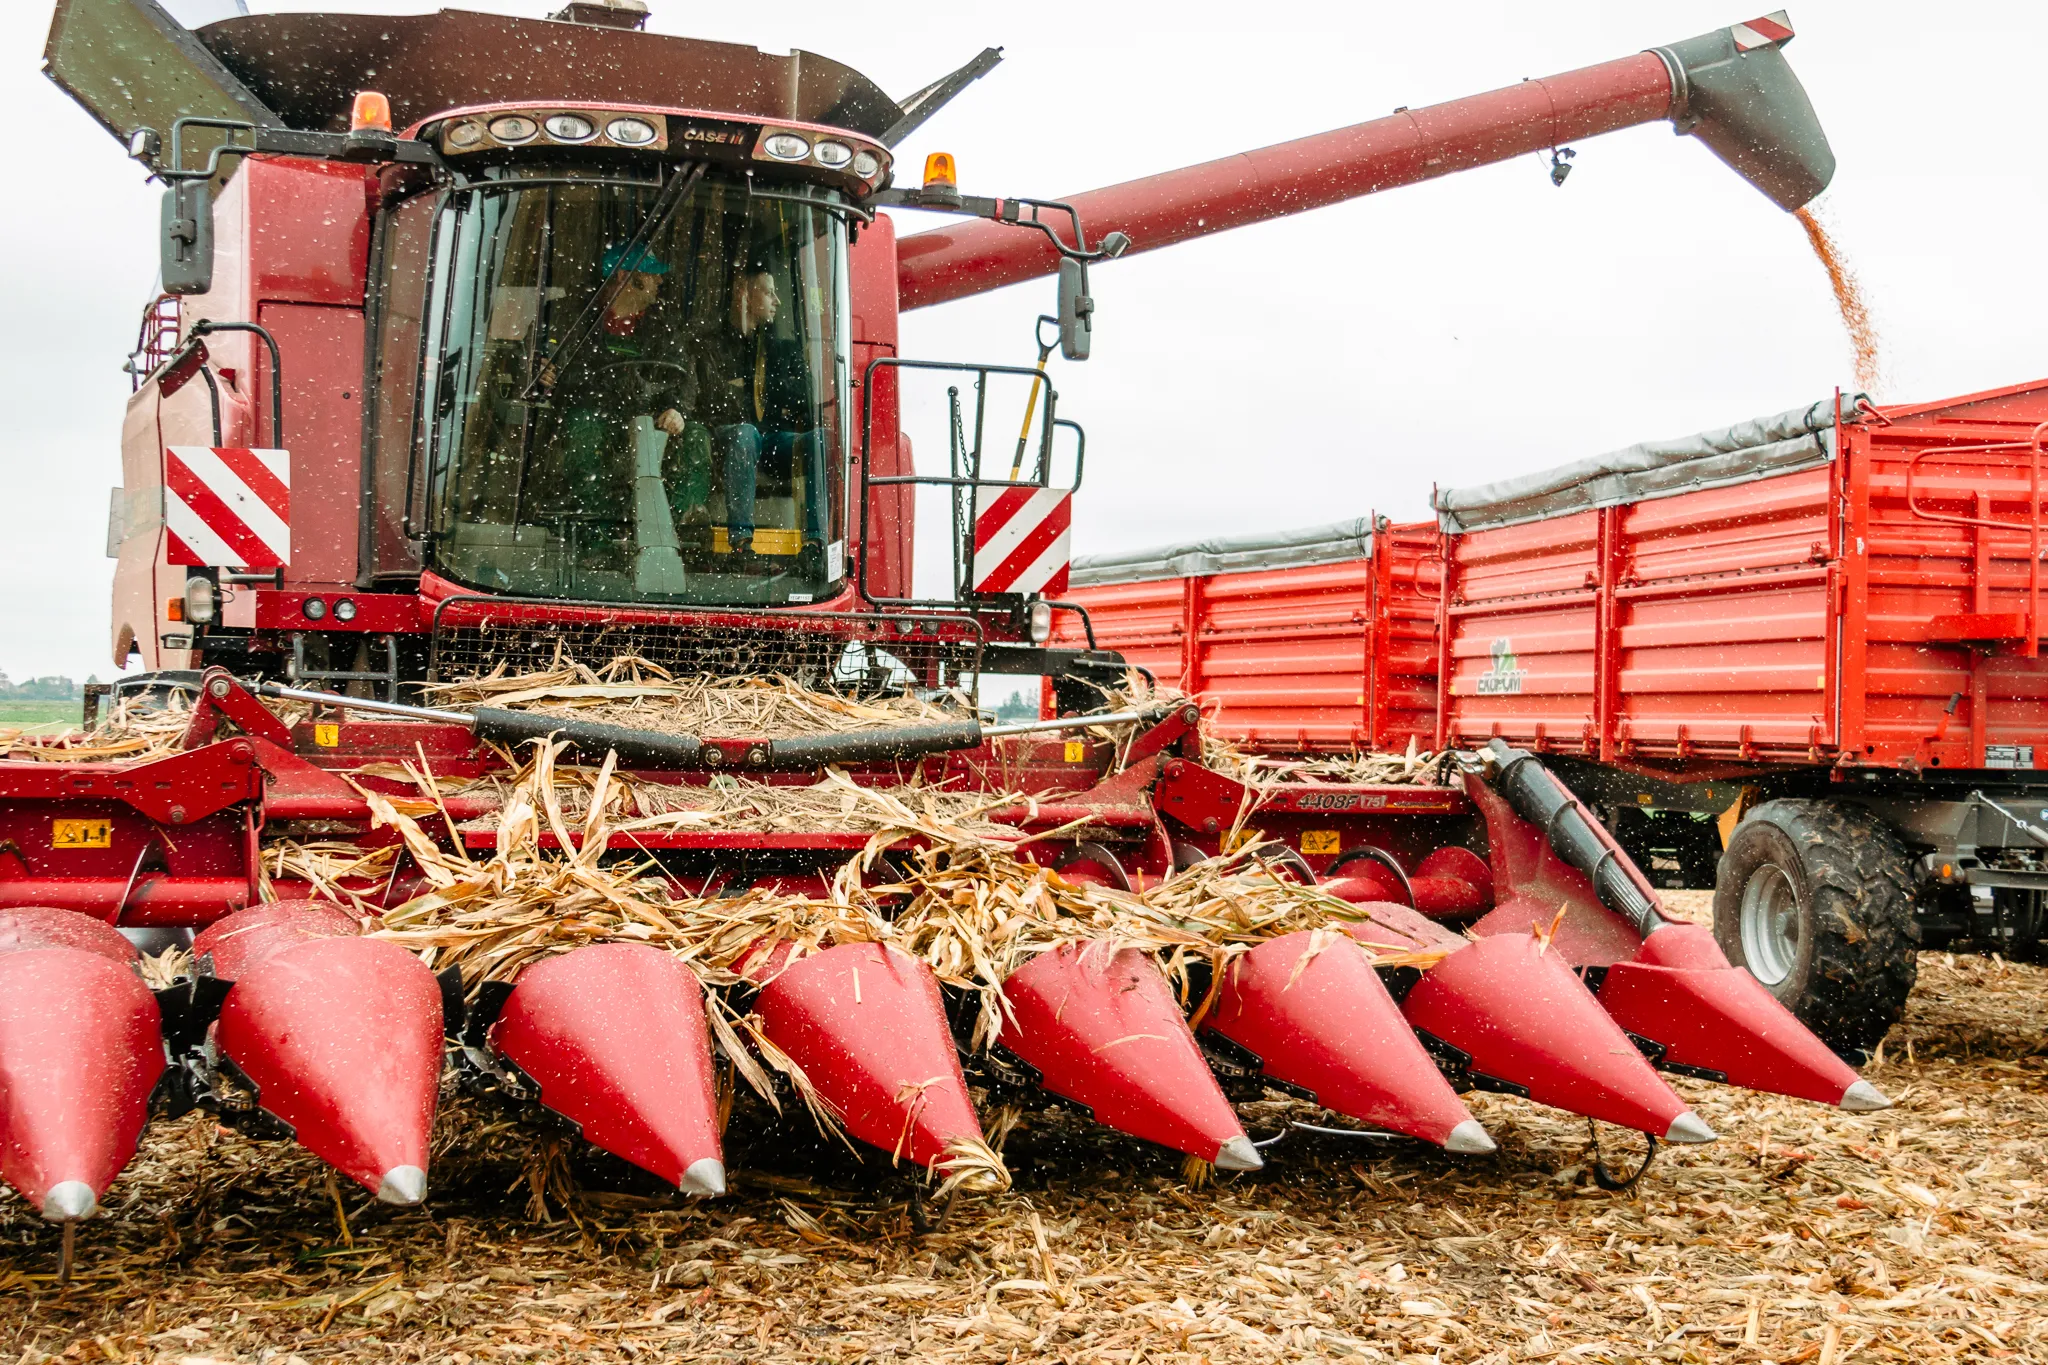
(639, 397)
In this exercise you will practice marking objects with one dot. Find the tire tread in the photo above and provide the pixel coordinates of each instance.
(1866, 943)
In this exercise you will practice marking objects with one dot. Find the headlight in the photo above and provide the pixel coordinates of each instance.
(199, 600)
(514, 128)
(786, 147)
(866, 165)
(1038, 622)
(314, 609)
(630, 132)
(465, 135)
(570, 128)
(345, 609)
(833, 154)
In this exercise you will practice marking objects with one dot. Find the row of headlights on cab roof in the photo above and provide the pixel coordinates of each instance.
(512, 130)
(372, 113)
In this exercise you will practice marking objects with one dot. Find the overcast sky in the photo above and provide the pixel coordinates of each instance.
(1289, 373)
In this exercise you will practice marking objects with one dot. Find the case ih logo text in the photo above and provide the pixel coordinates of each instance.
(1504, 678)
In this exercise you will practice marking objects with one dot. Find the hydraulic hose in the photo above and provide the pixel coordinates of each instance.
(588, 739)
(873, 746)
(656, 749)
(1535, 794)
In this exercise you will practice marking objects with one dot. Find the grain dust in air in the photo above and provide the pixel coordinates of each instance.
(1856, 320)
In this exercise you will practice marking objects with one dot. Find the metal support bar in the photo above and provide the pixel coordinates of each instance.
(1027, 727)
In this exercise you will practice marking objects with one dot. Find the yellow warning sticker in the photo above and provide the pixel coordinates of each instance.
(1316, 841)
(1234, 842)
(1077, 751)
(327, 735)
(81, 834)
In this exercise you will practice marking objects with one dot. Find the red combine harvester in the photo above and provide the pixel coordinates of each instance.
(1795, 660)
(587, 343)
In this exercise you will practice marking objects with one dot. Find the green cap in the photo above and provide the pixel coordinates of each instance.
(643, 261)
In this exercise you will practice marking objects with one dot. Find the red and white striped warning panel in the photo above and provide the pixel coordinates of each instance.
(227, 508)
(1023, 539)
(1774, 27)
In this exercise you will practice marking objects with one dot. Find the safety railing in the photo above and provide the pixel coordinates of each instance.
(156, 342)
(967, 445)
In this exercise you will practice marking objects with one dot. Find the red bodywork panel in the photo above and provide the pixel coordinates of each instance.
(1807, 618)
(1329, 658)
(1826, 617)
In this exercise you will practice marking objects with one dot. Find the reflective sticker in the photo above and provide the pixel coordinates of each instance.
(327, 735)
(1238, 840)
(1645, 799)
(81, 834)
(1077, 751)
(1319, 841)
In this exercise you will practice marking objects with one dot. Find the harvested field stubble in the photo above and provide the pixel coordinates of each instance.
(1805, 1235)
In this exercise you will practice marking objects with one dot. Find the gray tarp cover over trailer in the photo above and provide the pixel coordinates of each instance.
(1800, 439)
(1332, 544)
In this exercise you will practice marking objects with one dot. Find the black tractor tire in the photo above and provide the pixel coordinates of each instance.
(1827, 892)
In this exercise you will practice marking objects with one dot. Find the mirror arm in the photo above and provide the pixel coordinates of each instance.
(1010, 211)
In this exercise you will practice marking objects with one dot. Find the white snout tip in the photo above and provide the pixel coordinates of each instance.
(1238, 1154)
(1689, 1127)
(704, 1179)
(1469, 1139)
(69, 1200)
(403, 1185)
(1863, 1097)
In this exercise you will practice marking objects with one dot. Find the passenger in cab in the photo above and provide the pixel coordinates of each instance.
(754, 399)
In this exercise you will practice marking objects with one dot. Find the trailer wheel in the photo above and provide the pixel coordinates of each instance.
(1815, 898)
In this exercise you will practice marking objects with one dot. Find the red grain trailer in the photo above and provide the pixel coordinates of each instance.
(1316, 641)
(1805, 651)
(1795, 659)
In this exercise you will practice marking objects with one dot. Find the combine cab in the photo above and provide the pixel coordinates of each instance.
(586, 349)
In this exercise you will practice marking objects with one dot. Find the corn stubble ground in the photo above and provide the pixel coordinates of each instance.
(1803, 1235)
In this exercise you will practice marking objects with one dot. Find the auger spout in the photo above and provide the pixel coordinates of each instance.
(1731, 88)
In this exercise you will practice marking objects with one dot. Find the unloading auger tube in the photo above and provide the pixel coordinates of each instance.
(1536, 795)
(1731, 88)
(658, 749)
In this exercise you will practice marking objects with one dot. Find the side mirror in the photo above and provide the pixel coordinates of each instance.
(187, 248)
(1077, 310)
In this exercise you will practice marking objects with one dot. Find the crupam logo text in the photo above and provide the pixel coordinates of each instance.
(1504, 678)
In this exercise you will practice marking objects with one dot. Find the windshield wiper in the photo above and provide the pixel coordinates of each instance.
(566, 350)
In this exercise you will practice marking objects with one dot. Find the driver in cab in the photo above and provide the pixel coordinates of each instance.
(629, 375)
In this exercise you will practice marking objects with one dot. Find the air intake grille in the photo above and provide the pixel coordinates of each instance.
(837, 651)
